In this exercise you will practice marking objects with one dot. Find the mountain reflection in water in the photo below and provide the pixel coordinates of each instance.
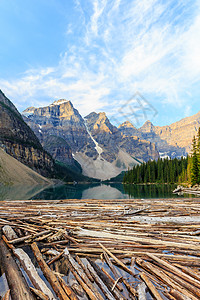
(87, 191)
(20, 192)
(106, 191)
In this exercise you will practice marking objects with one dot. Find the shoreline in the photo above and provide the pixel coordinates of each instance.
(180, 190)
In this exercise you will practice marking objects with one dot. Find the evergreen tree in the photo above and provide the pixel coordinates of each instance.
(189, 166)
(195, 165)
(160, 171)
(153, 171)
(138, 175)
(198, 154)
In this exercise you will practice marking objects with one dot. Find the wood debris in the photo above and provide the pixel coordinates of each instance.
(101, 249)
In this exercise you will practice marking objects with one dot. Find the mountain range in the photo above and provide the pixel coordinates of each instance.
(173, 140)
(21, 151)
(102, 149)
(57, 135)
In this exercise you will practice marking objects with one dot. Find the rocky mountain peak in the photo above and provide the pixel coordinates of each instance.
(128, 129)
(126, 124)
(28, 111)
(62, 101)
(102, 115)
(64, 108)
(147, 127)
(99, 122)
(30, 108)
(59, 113)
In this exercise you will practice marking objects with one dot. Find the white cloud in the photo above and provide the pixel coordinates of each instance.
(191, 50)
(149, 45)
(98, 6)
(69, 29)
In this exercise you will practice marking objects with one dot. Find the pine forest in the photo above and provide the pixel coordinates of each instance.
(183, 170)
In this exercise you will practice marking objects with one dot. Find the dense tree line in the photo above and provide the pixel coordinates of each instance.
(184, 170)
(195, 160)
(161, 171)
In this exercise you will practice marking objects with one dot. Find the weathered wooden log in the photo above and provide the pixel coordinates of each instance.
(17, 284)
(6, 296)
(141, 291)
(66, 288)
(113, 269)
(128, 253)
(49, 274)
(100, 283)
(32, 273)
(184, 245)
(9, 232)
(84, 268)
(194, 290)
(151, 287)
(75, 241)
(163, 277)
(75, 266)
(55, 258)
(87, 289)
(77, 289)
(175, 270)
(106, 280)
(10, 246)
(178, 295)
(31, 236)
(188, 271)
(111, 279)
(41, 238)
(27, 264)
(168, 296)
(39, 294)
(132, 266)
(129, 287)
(119, 262)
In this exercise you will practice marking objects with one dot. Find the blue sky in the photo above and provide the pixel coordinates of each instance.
(99, 53)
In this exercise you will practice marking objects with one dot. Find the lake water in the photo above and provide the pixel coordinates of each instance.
(87, 191)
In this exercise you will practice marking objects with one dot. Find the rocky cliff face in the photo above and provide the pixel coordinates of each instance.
(105, 134)
(100, 148)
(13, 172)
(18, 140)
(113, 139)
(172, 140)
(61, 119)
(58, 148)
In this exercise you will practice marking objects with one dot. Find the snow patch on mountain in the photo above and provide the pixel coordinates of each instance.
(164, 155)
(59, 102)
(97, 147)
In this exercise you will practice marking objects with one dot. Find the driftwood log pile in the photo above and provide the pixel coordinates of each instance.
(100, 249)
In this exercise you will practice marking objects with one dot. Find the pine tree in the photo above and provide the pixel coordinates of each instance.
(198, 154)
(194, 167)
(189, 166)
(138, 175)
(161, 171)
(153, 171)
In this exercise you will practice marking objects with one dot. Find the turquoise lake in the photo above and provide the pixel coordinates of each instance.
(88, 191)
